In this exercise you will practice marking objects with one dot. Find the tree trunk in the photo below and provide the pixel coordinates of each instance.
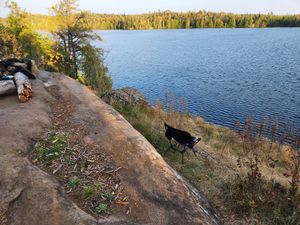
(34, 68)
(7, 87)
(23, 87)
(74, 58)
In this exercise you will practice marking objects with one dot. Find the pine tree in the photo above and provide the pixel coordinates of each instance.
(74, 36)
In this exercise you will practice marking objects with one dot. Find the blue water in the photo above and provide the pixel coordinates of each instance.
(226, 75)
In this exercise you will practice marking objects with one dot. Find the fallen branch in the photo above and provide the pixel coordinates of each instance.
(23, 87)
(122, 203)
(113, 171)
(57, 169)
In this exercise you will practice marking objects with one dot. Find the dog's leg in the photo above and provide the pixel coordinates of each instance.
(171, 146)
(175, 148)
(182, 153)
(194, 152)
(168, 149)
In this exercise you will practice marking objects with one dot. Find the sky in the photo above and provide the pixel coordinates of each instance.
(144, 6)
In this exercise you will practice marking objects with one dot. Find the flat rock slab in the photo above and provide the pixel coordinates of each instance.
(29, 196)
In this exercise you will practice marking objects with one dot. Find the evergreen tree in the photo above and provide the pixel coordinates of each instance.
(80, 59)
(19, 39)
(232, 23)
(187, 23)
(167, 20)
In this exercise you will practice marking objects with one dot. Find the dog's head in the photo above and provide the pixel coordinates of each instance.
(194, 142)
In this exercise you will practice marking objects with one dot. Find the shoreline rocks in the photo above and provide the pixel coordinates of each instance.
(125, 96)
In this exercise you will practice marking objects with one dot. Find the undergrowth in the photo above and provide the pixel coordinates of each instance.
(266, 202)
(258, 184)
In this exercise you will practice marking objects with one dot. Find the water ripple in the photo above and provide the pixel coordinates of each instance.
(226, 75)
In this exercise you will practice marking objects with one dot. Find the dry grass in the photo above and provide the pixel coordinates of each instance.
(233, 155)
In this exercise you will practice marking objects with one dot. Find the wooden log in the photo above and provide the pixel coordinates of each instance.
(23, 87)
(7, 87)
(25, 71)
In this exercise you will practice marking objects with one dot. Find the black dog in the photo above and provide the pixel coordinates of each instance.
(182, 137)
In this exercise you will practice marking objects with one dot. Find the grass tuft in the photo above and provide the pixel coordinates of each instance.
(73, 182)
(52, 147)
(103, 208)
(88, 192)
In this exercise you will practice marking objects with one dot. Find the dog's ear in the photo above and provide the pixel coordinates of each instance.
(197, 139)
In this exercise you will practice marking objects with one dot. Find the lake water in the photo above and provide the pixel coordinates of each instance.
(225, 74)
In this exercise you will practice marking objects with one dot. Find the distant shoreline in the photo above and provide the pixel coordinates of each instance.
(206, 28)
(172, 20)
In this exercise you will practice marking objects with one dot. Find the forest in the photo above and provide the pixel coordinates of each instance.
(174, 20)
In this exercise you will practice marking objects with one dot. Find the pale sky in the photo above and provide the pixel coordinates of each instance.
(143, 6)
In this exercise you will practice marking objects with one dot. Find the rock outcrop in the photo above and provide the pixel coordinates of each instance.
(29, 196)
(125, 96)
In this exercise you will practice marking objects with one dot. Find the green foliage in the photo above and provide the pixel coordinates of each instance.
(73, 182)
(102, 208)
(107, 195)
(200, 19)
(173, 20)
(19, 39)
(8, 42)
(51, 148)
(94, 71)
(78, 58)
(88, 191)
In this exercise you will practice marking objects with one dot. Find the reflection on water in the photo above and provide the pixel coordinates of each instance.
(225, 74)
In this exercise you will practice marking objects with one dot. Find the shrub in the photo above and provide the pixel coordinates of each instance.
(73, 182)
(19, 39)
(267, 200)
(107, 195)
(102, 208)
(88, 191)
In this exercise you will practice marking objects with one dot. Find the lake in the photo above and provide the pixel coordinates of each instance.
(226, 75)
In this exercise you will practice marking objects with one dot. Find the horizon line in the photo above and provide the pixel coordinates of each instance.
(180, 12)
